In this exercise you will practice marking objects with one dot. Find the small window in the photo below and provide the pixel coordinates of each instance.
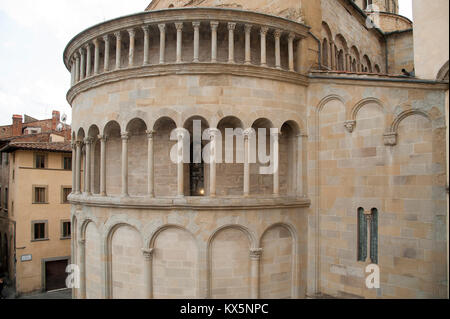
(39, 230)
(40, 195)
(67, 163)
(66, 231)
(40, 160)
(65, 193)
(368, 220)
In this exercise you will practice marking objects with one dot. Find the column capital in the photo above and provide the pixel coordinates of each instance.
(181, 132)
(73, 144)
(248, 27)
(81, 51)
(87, 46)
(390, 138)
(76, 56)
(162, 27)
(264, 30)
(275, 133)
(213, 132)
(179, 26)
(79, 143)
(118, 35)
(277, 33)
(214, 25)
(196, 24)
(131, 32)
(125, 136)
(231, 26)
(81, 242)
(150, 134)
(96, 42)
(148, 253)
(255, 253)
(248, 132)
(88, 140)
(102, 137)
(291, 36)
(106, 38)
(145, 28)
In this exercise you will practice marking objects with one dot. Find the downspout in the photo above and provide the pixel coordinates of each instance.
(320, 49)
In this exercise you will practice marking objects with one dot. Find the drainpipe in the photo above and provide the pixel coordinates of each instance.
(320, 49)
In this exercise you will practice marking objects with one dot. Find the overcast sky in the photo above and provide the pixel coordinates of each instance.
(33, 35)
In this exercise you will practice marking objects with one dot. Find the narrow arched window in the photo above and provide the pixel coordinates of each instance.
(374, 236)
(362, 235)
(325, 52)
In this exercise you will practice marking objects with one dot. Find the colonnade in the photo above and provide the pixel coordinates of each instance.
(82, 155)
(83, 68)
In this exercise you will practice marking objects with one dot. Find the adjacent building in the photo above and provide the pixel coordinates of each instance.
(35, 221)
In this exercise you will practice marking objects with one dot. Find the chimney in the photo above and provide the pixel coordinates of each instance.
(17, 125)
(56, 117)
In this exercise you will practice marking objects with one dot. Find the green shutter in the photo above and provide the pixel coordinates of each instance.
(374, 237)
(362, 235)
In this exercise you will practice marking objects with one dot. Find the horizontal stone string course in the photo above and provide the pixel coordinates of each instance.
(85, 62)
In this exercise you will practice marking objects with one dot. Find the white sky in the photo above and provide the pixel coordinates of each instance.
(33, 35)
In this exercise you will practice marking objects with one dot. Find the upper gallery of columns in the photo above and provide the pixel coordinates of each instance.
(162, 40)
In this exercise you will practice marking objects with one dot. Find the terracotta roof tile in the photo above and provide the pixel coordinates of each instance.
(52, 147)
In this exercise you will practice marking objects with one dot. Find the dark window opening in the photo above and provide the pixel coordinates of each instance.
(39, 195)
(39, 161)
(39, 231)
(66, 230)
(366, 221)
(196, 174)
(67, 163)
(66, 193)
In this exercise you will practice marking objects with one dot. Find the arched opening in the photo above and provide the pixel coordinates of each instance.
(290, 158)
(230, 172)
(377, 69)
(340, 59)
(95, 159)
(165, 171)
(113, 158)
(195, 173)
(260, 184)
(80, 138)
(325, 52)
(137, 150)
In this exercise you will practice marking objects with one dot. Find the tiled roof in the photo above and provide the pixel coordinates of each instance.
(51, 147)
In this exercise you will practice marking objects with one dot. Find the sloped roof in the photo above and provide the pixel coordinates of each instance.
(64, 147)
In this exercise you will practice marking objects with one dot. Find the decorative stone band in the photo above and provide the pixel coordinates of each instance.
(390, 138)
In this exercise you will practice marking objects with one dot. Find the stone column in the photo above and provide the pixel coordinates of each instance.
(151, 166)
(276, 163)
(291, 51)
(74, 166)
(214, 26)
(148, 276)
(255, 257)
(77, 67)
(162, 42)
(82, 264)
(277, 35)
(246, 164)
(263, 33)
(231, 28)
(88, 60)
(102, 139)
(146, 30)
(300, 165)
(125, 138)
(118, 36)
(72, 72)
(96, 56)
(212, 165)
(78, 169)
(82, 64)
(196, 26)
(87, 173)
(180, 165)
(132, 35)
(179, 27)
(248, 51)
(106, 66)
